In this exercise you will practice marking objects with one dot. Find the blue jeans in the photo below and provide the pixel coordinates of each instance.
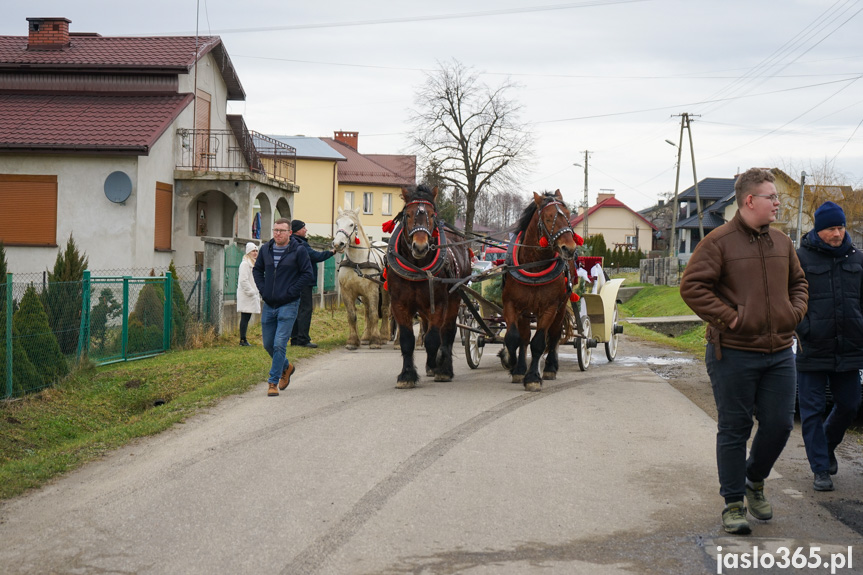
(276, 326)
(817, 436)
(747, 383)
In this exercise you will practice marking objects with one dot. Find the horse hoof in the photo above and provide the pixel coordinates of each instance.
(429, 372)
(374, 346)
(549, 375)
(533, 386)
(517, 378)
(442, 377)
(351, 347)
(406, 384)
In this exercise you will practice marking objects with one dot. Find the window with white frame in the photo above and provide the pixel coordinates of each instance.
(368, 202)
(387, 205)
(632, 241)
(349, 200)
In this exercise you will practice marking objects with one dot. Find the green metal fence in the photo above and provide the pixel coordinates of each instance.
(233, 256)
(47, 329)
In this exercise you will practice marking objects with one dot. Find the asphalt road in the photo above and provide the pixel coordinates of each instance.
(608, 471)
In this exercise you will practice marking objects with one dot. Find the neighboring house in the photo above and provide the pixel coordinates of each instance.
(718, 205)
(124, 142)
(371, 183)
(317, 176)
(619, 225)
(789, 190)
(659, 215)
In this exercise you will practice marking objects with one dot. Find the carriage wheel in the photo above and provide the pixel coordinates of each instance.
(472, 349)
(611, 344)
(583, 351)
(463, 316)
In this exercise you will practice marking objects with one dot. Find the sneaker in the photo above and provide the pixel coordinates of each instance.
(823, 482)
(273, 390)
(285, 380)
(734, 519)
(310, 344)
(834, 465)
(245, 343)
(759, 507)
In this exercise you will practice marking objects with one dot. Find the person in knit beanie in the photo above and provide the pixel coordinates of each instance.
(830, 338)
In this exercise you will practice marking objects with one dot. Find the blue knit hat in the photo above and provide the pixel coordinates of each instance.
(828, 215)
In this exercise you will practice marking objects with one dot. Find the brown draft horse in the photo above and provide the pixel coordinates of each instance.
(419, 254)
(544, 238)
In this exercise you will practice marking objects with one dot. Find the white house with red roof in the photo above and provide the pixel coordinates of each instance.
(619, 224)
(125, 143)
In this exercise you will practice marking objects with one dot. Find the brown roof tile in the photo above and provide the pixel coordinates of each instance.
(360, 169)
(85, 122)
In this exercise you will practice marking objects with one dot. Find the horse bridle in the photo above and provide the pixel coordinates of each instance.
(421, 211)
(544, 231)
(349, 236)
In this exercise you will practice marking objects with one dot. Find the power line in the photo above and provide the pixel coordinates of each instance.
(457, 16)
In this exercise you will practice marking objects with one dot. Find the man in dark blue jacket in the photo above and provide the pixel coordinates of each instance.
(830, 347)
(280, 272)
(300, 334)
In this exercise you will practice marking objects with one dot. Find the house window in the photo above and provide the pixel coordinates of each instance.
(387, 205)
(164, 209)
(28, 210)
(349, 200)
(632, 241)
(368, 202)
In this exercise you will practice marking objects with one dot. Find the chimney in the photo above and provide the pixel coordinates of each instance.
(347, 138)
(601, 197)
(48, 33)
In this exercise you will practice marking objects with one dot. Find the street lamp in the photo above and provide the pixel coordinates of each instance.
(672, 243)
(800, 207)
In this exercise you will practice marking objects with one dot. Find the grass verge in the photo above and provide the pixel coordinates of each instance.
(98, 409)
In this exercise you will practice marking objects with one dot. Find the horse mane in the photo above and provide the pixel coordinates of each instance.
(420, 192)
(528, 213)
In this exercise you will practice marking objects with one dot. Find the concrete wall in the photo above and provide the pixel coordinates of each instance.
(659, 271)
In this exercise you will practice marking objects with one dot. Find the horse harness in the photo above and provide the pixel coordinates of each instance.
(358, 267)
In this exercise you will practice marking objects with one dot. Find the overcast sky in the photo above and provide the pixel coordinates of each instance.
(771, 82)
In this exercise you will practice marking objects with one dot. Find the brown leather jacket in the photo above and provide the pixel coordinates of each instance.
(752, 275)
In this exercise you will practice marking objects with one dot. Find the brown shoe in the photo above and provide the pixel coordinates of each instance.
(285, 380)
(273, 391)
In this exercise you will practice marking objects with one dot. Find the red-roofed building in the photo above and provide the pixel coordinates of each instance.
(125, 143)
(371, 183)
(618, 223)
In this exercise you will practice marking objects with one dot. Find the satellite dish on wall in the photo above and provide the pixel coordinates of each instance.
(118, 187)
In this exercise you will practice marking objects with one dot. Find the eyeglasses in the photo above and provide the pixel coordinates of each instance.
(772, 197)
(280, 231)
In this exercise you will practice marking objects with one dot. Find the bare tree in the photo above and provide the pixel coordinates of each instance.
(471, 131)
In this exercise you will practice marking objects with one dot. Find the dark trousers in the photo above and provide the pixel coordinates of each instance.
(747, 383)
(300, 333)
(820, 436)
(244, 324)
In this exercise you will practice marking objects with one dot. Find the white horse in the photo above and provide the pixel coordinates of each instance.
(360, 276)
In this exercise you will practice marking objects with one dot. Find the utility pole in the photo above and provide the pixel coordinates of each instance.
(686, 122)
(586, 156)
(672, 244)
(800, 209)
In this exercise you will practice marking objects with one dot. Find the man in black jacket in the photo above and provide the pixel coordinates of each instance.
(830, 336)
(300, 334)
(280, 272)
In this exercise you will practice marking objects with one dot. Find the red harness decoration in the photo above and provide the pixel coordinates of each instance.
(546, 271)
(428, 267)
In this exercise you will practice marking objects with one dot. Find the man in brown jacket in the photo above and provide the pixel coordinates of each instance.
(744, 279)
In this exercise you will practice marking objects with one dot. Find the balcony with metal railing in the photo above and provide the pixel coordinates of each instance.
(236, 150)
